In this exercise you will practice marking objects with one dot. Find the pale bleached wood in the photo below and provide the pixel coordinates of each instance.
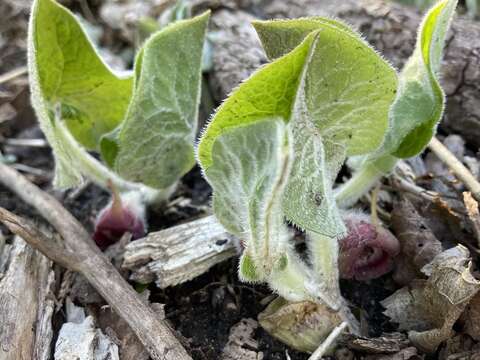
(78, 252)
(26, 304)
(79, 338)
(180, 253)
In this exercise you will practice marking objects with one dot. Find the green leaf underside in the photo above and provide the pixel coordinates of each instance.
(269, 92)
(154, 145)
(70, 72)
(337, 103)
(249, 170)
(341, 109)
(420, 100)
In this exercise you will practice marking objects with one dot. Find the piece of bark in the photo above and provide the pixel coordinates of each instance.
(241, 345)
(180, 253)
(26, 304)
(388, 344)
(391, 28)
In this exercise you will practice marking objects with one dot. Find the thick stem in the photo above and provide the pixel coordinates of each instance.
(363, 180)
(290, 281)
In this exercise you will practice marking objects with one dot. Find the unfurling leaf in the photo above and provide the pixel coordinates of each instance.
(417, 109)
(259, 181)
(368, 249)
(419, 105)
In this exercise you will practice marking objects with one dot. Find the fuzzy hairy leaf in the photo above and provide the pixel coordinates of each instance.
(348, 86)
(67, 77)
(337, 88)
(420, 100)
(154, 145)
(68, 71)
(269, 92)
(341, 109)
(250, 166)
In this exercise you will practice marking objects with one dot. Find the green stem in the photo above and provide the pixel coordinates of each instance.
(101, 175)
(363, 180)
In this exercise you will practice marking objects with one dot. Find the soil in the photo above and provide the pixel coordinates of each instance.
(202, 310)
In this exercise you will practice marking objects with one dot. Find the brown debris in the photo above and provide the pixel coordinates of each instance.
(473, 214)
(418, 243)
(302, 325)
(241, 345)
(387, 344)
(428, 309)
(409, 353)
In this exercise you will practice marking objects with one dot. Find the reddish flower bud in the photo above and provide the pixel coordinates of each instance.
(367, 251)
(123, 214)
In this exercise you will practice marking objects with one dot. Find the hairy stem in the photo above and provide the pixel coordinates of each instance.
(101, 175)
(363, 180)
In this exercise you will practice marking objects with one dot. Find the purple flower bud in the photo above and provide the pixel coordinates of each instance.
(123, 214)
(367, 251)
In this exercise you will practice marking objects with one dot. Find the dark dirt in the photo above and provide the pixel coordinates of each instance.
(202, 310)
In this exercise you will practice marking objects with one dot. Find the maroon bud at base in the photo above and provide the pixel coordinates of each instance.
(367, 251)
(121, 215)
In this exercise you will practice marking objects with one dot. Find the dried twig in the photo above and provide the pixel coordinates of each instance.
(329, 341)
(473, 214)
(10, 75)
(456, 166)
(84, 257)
(37, 143)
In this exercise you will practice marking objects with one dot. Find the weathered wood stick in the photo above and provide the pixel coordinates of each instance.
(180, 253)
(26, 304)
(87, 259)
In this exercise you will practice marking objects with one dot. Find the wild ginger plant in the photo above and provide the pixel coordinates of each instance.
(143, 125)
(274, 148)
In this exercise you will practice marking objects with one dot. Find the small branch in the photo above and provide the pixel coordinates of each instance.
(329, 341)
(180, 253)
(37, 239)
(456, 166)
(10, 75)
(37, 143)
(154, 333)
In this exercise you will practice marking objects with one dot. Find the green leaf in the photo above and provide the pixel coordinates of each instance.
(249, 170)
(335, 103)
(349, 88)
(71, 73)
(155, 143)
(419, 105)
(68, 77)
(267, 93)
